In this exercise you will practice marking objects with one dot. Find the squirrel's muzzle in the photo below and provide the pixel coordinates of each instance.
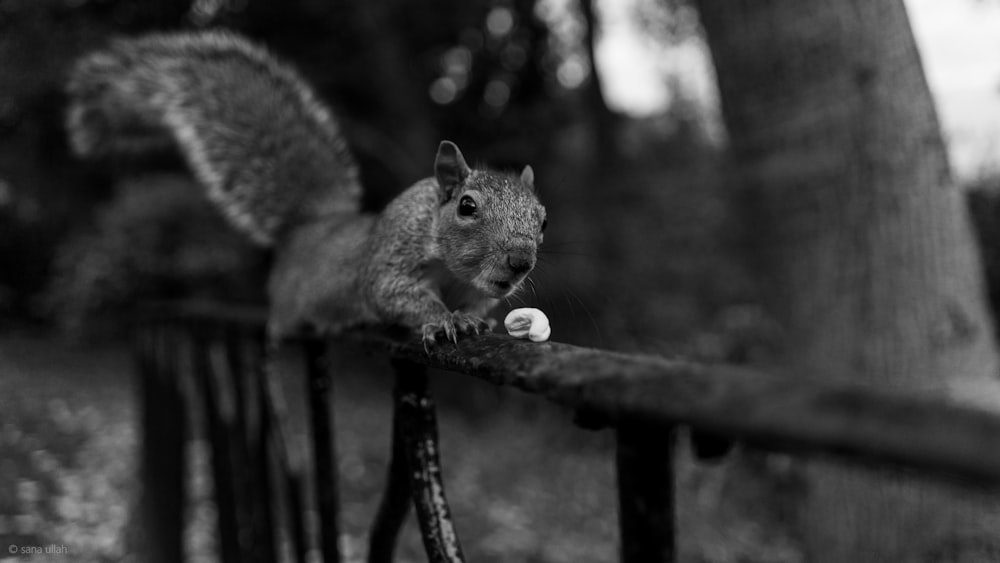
(521, 261)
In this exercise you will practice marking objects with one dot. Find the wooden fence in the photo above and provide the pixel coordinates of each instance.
(212, 360)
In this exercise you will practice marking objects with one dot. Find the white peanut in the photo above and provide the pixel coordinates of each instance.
(528, 323)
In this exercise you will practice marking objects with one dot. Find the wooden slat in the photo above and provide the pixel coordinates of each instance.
(395, 505)
(646, 515)
(158, 536)
(231, 549)
(250, 449)
(320, 386)
(274, 427)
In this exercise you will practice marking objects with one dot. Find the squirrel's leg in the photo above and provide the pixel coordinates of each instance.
(417, 304)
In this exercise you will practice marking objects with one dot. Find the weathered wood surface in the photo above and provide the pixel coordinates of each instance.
(417, 422)
(765, 410)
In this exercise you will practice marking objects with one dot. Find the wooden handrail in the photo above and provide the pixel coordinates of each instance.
(918, 430)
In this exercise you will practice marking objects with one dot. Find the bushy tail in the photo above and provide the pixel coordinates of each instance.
(251, 130)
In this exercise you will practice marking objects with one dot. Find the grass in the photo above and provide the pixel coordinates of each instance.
(524, 484)
(67, 437)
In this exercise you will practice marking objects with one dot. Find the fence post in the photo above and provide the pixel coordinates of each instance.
(159, 530)
(273, 435)
(320, 386)
(395, 505)
(231, 549)
(645, 494)
(251, 451)
(418, 425)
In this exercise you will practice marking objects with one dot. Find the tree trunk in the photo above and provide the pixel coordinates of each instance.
(862, 244)
(603, 121)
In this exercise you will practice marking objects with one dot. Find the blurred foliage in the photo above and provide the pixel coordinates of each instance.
(668, 21)
(67, 434)
(156, 240)
(42, 190)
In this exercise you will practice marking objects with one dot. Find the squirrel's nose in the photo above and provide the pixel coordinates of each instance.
(521, 262)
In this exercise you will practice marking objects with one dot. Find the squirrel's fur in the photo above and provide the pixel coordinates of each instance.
(249, 128)
(272, 158)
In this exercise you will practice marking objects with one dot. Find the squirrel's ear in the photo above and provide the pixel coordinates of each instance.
(450, 167)
(528, 177)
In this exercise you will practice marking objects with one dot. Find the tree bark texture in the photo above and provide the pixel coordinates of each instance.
(862, 244)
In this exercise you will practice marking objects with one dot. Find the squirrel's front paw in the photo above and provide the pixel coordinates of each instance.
(450, 325)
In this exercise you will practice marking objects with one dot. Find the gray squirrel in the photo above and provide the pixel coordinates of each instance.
(436, 260)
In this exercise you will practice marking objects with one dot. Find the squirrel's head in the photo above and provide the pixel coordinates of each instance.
(489, 225)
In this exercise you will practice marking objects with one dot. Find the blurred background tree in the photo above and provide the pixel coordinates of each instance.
(862, 243)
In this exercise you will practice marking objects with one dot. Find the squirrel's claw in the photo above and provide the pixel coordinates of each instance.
(431, 332)
(450, 326)
(470, 324)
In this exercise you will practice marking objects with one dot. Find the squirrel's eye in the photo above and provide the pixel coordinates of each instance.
(545, 223)
(466, 206)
